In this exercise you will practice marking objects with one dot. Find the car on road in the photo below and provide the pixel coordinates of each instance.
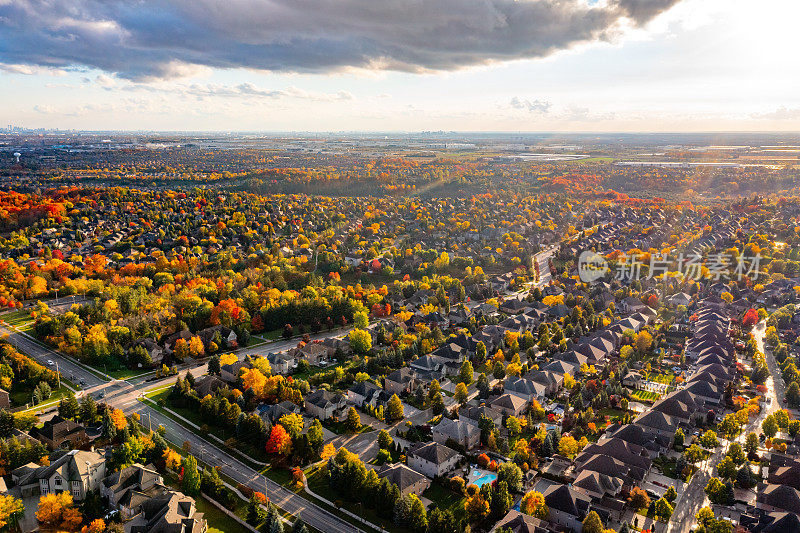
(50, 362)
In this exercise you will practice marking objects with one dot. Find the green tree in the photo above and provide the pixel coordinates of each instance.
(418, 521)
(709, 439)
(465, 373)
(360, 341)
(394, 409)
(736, 453)
(88, 409)
(353, 420)
(68, 407)
(769, 426)
(511, 474)
(384, 439)
(190, 484)
(751, 443)
(360, 320)
(662, 509)
(679, 437)
(726, 468)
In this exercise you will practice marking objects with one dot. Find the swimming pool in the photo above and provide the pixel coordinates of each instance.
(484, 479)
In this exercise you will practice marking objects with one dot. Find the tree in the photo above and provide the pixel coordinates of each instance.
(88, 409)
(643, 342)
(662, 509)
(751, 443)
(638, 499)
(118, 419)
(328, 451)
(353, 420)
(190, 483)
(360, 341)
(293, 423)
(592, 523)
(511, 474)
(54, 509)
(726, 468)
(501, 500)
(11, 512)
(736, 453)
(418, 521)
(477, 507)
(279, 441)
(709, 439)
(461, 393)
(718, 492)
(394, 409)
(255, 513)
(214, 366)
(568, 446)
(384, 439)
(533, 504)
(769, 426)
(679, 437)
(6, 424)
(68, 407)
(694, 453)
(793, 393)
(465, 373)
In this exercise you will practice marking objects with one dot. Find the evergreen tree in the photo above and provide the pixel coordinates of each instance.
(68, 407)
(190, 484)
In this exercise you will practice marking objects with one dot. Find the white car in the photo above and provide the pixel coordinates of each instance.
(50, 362)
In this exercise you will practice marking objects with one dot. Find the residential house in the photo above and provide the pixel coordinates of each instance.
(401, 381)
(77, 472)
(59, 433)
(568, 507)
(407, 480)
(433, 459)
(510, 404)
(130, 487)
(167, 513)
(458, 431)
(324, 404)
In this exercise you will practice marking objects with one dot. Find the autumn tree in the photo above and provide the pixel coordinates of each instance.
(461, 394)
(11, 512)
(533, 504)
(279, 441)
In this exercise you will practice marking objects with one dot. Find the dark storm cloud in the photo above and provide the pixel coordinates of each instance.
(142, 39)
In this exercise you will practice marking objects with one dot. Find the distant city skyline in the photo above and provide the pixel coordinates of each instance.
(453, 65)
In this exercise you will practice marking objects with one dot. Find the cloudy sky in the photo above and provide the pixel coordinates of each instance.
(409, 65)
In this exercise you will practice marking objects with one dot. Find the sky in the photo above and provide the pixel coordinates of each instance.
(401, 65)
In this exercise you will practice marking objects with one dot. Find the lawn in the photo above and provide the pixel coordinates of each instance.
(127, 373)
(645, 396)
(612, 414)
(217, 520)
(666, 379)
(444, 499)
(22, 395)
(17, 318)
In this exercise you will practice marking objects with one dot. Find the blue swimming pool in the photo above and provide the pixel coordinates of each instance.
(484, 479)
